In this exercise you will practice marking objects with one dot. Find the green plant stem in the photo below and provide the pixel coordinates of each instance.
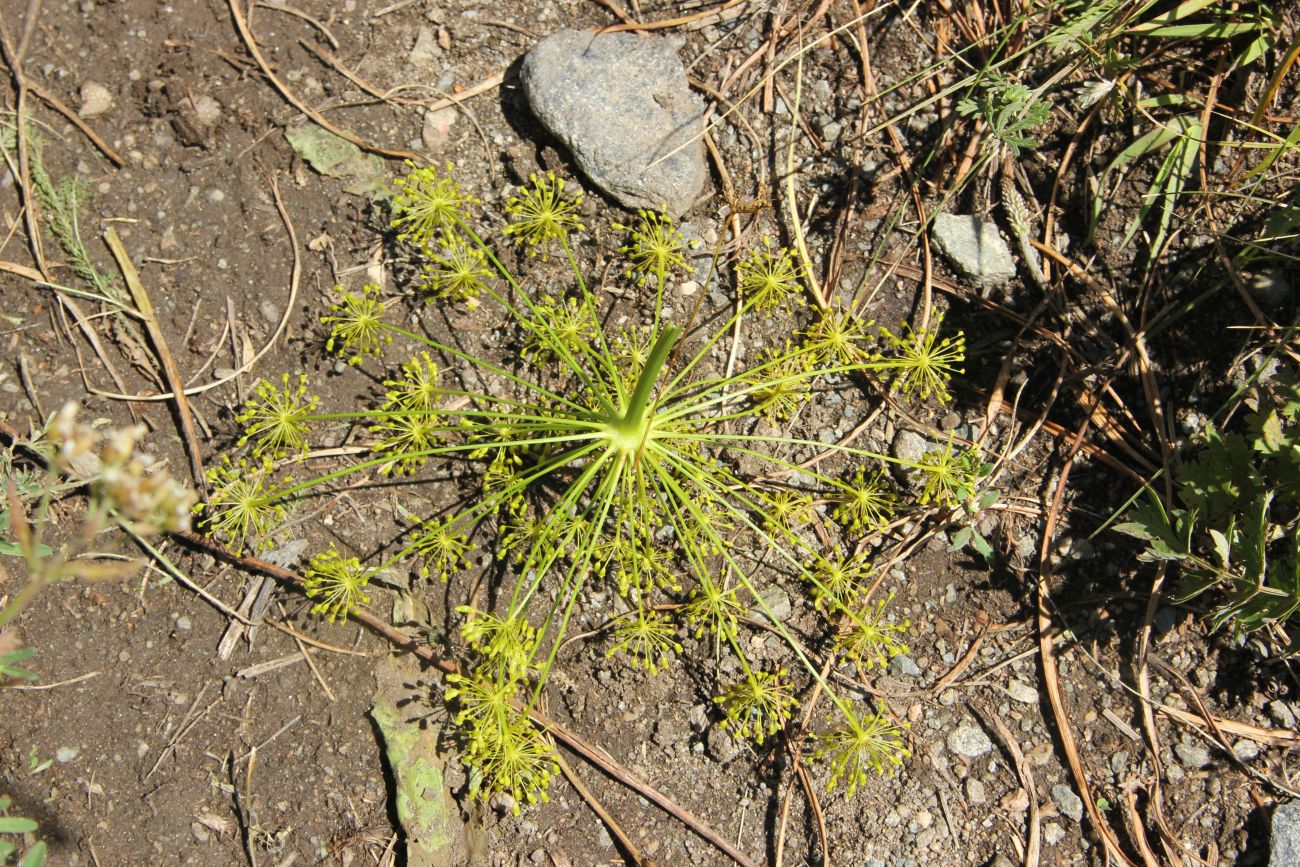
(632, 428)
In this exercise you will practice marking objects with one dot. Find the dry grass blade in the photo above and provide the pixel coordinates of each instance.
(1051, 676)
(172, 373)
(1033, 842)
(295, 279)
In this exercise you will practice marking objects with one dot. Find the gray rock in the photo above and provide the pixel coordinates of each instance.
(1284, 847)
(975, 791)
(969, 740)
(909, 446)
(1192, 755)
(1052, 833)
(620, 103)
(777, 602)
(722, 746)
(904, 666)
(1246, 750)
(976, 247)
(1280, 712)
(1070, 804)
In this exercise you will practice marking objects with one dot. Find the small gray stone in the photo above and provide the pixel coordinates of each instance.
(975, 791)
(777, 602)
(1245, 750)
(621, 104)
(1002, 861)
(1022, 692)
(183, 623)
(909, 446)
(970, 741)
(426, 48)
(904, 666)
(1284, 847)
(1280, 712)
(722, 746)
(1052, 833)
(1070, 804)
(976, 247)
(1192, 755)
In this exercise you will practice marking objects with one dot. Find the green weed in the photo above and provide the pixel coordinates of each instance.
(610, 456)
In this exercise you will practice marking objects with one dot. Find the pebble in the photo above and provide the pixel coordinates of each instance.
(621, 104)
(1052, 833)
(1192, 755)
(969, 741)
(1070, 804)
(904, 666)
(426, 49)
(1245, 749)
(436, 132)
(975, 247)
(1022, 692)
(1280, 712)
(1270, 287)
(722, 746)
(95, 99)
(909, 446)
(777, 602)
(975, 791)
(183, 623)
(207, 110)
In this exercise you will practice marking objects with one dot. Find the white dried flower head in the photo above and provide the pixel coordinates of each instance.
(150, 501)
(119, 445)
(71, 439)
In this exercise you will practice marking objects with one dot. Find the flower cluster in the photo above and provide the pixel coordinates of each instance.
(128, 482)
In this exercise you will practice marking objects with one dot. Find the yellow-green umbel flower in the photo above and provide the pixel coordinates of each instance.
(338, 582)
(770, 279)
(427, 202)
(357, 323)
(868, 743)
(541, 212)
(278, 419)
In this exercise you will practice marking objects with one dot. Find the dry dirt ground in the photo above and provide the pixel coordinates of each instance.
(166, 752)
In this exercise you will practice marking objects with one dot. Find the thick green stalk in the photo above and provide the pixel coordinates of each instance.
(629, 429)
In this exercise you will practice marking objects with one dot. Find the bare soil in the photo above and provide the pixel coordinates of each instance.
(167, 753)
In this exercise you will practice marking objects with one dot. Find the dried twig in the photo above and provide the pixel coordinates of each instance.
(615, 829)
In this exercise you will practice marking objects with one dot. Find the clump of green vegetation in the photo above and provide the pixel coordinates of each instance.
(34, 856)
(1236, 527)
(611, 456)
(1012, 112)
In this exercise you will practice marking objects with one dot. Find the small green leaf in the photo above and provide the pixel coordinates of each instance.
(16, 825)
(35, 856)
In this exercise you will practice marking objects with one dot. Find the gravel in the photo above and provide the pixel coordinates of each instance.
(1070, 804)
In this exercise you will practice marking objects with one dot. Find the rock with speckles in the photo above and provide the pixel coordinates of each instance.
(621, 104)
